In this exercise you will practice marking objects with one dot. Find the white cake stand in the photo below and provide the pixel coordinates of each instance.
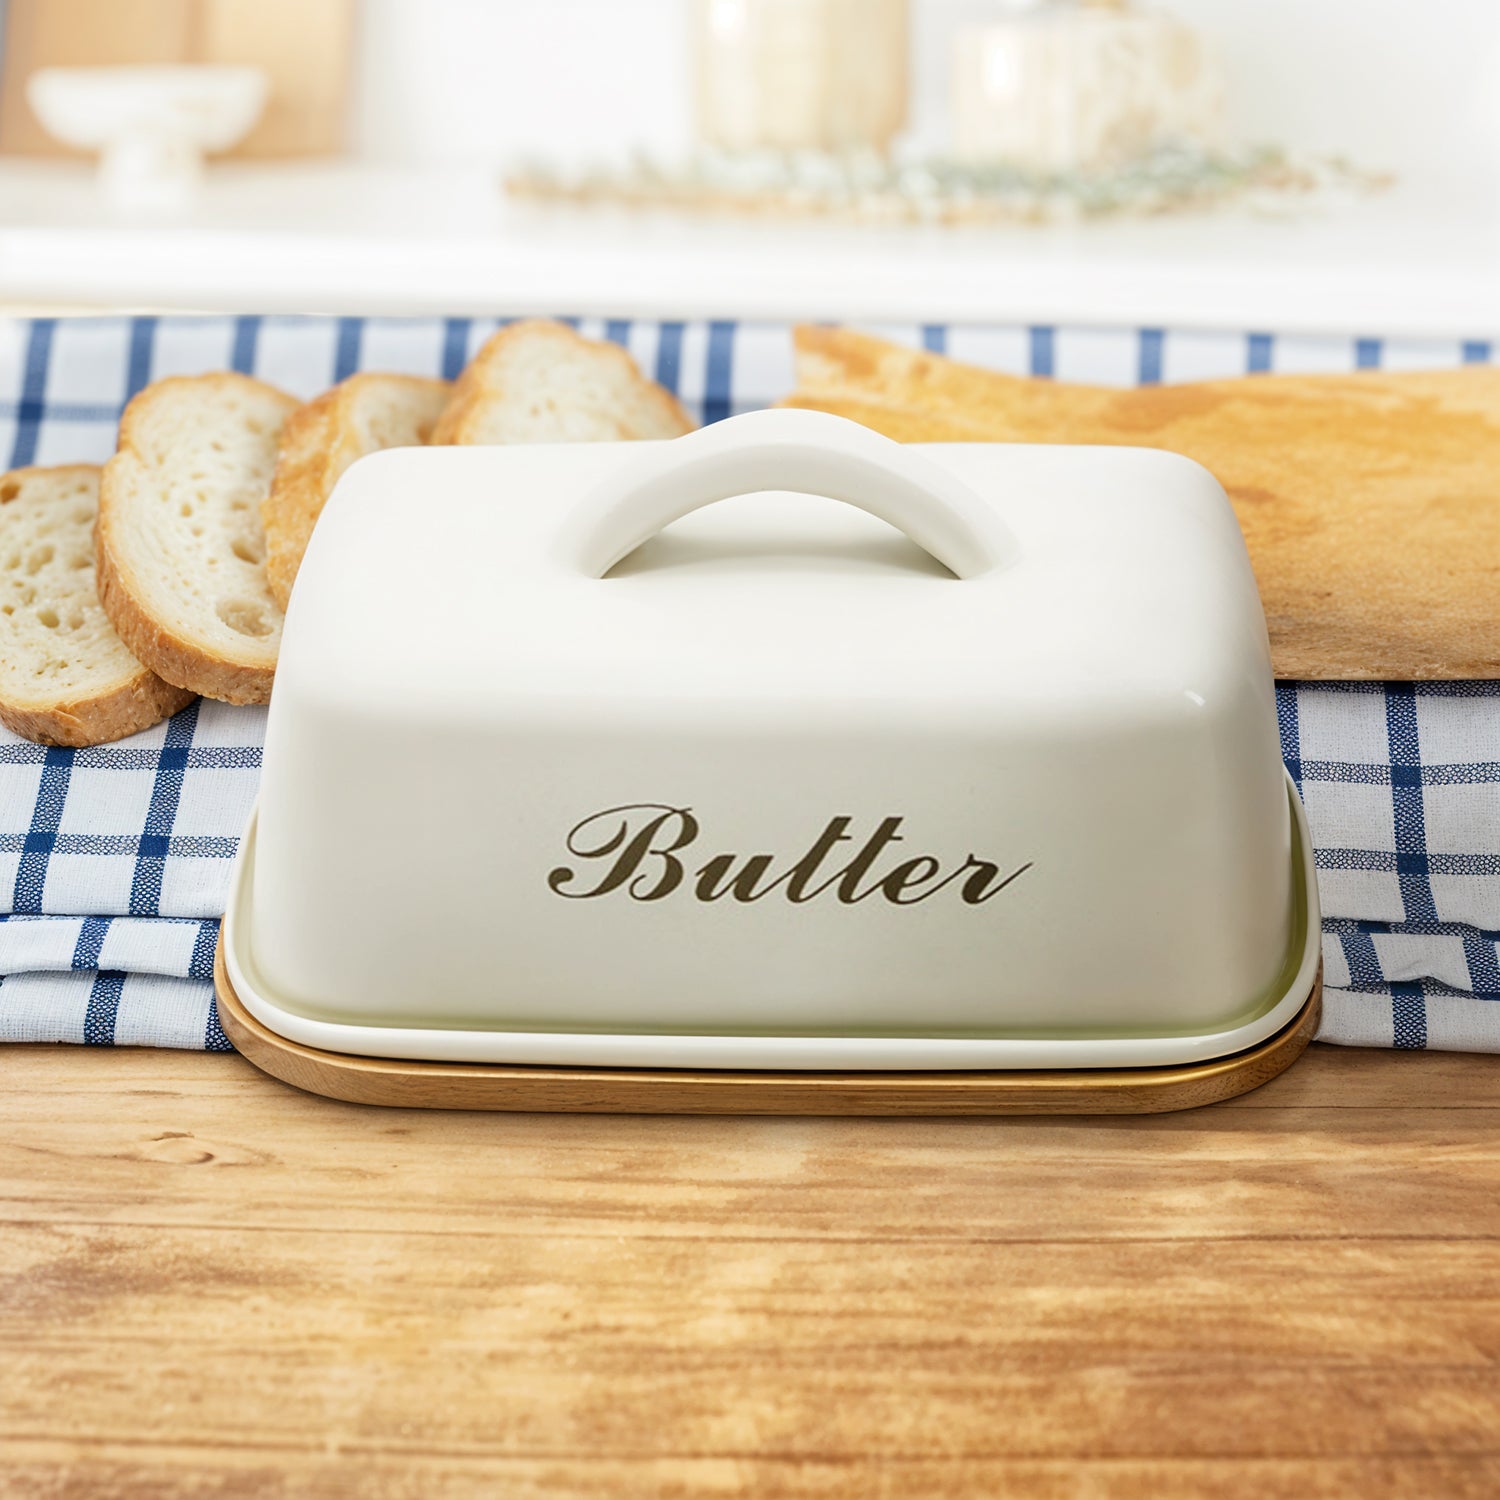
(152, 126)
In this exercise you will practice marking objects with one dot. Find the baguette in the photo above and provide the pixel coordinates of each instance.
(181, 548)
(1369, 501)
(66, 677)
(539, 382)
(360, 415)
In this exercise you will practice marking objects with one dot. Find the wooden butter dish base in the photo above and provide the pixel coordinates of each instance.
(641, 1091)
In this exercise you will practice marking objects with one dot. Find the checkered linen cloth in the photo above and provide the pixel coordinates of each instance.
(115, 861)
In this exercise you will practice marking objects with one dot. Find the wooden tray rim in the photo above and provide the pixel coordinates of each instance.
(393, 1082)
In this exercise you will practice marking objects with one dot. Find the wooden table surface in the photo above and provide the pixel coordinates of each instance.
(213, 1285)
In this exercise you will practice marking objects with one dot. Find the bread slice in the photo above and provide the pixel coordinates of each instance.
(1368, 500)
(539, 382)
(360, 415)
(65, 675)
(181, 548)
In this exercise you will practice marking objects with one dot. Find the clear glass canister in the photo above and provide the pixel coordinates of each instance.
(1058, 86)
(800, 75)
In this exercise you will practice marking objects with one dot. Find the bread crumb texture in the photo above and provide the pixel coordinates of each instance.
(540, 382)
(66, 677)
(363, 414)
(181, 541)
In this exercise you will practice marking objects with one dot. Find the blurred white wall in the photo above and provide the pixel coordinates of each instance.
(1411, 84)
(487, 80)
(1414, 84)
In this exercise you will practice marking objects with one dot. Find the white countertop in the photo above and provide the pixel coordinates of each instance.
(348, 239)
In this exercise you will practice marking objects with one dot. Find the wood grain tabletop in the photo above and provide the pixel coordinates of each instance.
(211, 1284)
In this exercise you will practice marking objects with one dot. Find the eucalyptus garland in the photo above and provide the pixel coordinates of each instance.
(868, 188)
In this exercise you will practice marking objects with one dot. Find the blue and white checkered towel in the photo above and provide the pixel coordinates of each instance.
(115, 861)
(114, 868)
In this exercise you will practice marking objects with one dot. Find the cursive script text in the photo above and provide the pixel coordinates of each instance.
(640, 849)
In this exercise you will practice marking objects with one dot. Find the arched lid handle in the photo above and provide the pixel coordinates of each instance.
(806, 452)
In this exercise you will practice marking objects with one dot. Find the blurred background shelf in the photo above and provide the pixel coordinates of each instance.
(338, 238)
(372, 184)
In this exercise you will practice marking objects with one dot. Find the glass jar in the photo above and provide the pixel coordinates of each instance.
(1064, 86)
(800, 75)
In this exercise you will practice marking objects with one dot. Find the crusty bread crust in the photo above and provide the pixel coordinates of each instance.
(96, 720)
(169, 656)
(297, 493)
(319, 441)
(481, 384)
(186, 663)
(1367, 500)
(132, 701)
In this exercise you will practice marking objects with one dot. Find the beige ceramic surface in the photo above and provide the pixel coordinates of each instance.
(781, 774)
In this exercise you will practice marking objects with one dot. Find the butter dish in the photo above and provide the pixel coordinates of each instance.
(779, 746)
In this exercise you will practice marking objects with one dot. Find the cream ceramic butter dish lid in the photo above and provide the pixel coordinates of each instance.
(659, 754)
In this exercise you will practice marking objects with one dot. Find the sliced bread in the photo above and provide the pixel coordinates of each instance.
(66, 677)
(539, 382)
(181, 548)
(360, 415)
